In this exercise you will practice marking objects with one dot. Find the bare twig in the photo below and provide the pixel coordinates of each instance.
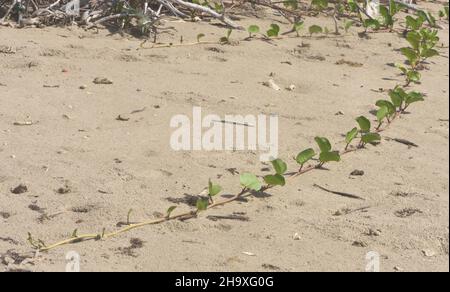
(338, 193)
(209, 11)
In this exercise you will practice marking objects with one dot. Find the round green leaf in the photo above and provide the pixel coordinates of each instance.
(382, 113)
(280, 166)
(414, 39)
(313, 29)
(275, 180)
(298, 26)
(202, 204)
(372, 23)
(396, 98)
(305, 156)
(414, 76)
(351, 135)
(324, 144)
(414, 97)
(364, 124)
(252, 29)
(411, 55)
(330, 157)
(274, 30)
(389, 105)
(250, 181)
(371, 138)
(214, 189)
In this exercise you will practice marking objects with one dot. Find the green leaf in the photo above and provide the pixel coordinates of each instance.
(293, 4)
(280, 166)
(389, 105)
(351, 135)
(371, 138)
(388, 20)
(202, 204)
(298, 26)
(200, 36)
(305, 156)
(428, 53)
(275, 180)
(364, 124)
(324, 144)
(414, 39)
(414, 23)
(274, 31)
(382, 113)
(411, 55)
(250, 181)
(372, 23)
(253, 29)
(396, 98)
(353, 6)
(213, 189)
(414, 76)
(218, 8)
(330, 157)
(320, 4)
(414, 97)
(393, 7)
(170, 210)
(314, 29)
(402, 68)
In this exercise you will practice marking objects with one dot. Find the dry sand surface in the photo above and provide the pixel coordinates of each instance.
(84, 169)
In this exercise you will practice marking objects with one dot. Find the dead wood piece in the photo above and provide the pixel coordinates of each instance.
(347, 195)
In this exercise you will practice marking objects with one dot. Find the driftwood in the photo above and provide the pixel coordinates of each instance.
(95, 12)
(145, 14)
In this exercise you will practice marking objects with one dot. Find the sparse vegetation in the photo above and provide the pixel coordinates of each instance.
(420, 33)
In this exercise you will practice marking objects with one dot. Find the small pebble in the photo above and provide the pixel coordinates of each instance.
(429, 253)
(20, 189)
(357, 172)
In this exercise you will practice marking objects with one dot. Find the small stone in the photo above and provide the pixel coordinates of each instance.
(63, 190)
(104, 81)
(291, 87)
(339, 113)
(429, 253)
(20, 189)
(359, 243)
(398, 269)
(296, 236)
(271, 84)
(357, 172)
(373, 232)
(83, 87)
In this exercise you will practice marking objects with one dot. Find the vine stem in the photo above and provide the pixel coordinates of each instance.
(263, 38)
(245, 192)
